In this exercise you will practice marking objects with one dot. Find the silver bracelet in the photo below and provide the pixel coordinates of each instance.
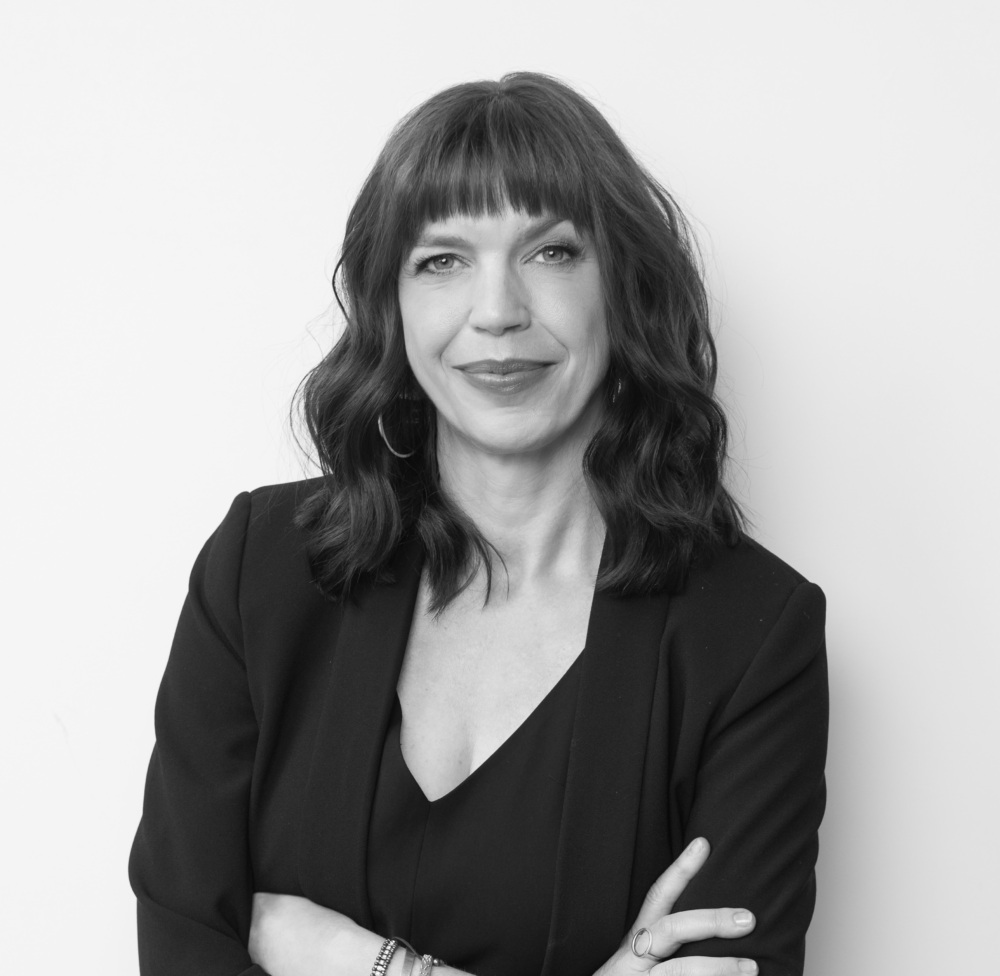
(410, 958)
(427, 963)
(384, 956)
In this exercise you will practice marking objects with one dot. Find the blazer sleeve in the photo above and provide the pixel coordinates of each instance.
(760, 793)
(190, 864)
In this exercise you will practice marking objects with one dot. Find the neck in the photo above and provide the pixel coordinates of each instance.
(535, 509)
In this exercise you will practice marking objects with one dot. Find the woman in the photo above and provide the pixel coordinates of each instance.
(491, 682)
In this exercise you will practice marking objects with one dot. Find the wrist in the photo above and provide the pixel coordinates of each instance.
(354, 952)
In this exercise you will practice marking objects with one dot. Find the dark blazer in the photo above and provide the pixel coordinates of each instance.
(703, 714)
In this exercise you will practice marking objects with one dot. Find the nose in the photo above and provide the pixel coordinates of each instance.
(499, 300)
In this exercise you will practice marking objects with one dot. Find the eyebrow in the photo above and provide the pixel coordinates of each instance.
(535, 229)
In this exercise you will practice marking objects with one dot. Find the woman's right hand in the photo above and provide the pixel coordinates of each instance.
(666, 932)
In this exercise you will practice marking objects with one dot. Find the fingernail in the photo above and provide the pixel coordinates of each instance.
(748, 966)
(742, 918)
(696, 846)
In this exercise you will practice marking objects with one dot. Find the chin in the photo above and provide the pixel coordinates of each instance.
(503, 441)
(522, 432)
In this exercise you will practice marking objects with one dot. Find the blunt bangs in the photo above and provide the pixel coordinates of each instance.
(483, 156)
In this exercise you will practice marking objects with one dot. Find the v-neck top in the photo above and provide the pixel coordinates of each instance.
(470, 876)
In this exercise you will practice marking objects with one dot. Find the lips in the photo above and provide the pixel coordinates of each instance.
(502, 367)
(504, 377)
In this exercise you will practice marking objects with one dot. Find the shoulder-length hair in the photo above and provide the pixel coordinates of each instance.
(654, 466)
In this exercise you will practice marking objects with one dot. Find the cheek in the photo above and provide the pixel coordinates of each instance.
(430, 323)
(425, 344)
(599, 332)
(414, 318)
(592, 337)
(576, 311)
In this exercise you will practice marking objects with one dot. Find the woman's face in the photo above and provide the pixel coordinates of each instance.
(503, 320)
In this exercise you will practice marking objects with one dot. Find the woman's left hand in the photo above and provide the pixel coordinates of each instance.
(293, 936)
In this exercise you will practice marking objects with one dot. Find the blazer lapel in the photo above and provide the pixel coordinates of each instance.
(601, 806)
(363, 674)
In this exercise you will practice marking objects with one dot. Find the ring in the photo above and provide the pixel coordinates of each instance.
(635, 943)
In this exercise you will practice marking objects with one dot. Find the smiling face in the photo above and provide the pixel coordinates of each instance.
(504, 326)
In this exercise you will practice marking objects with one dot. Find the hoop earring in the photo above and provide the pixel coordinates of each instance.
(392, 450)
(616, 392)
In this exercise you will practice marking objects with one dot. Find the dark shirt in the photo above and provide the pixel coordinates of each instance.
(472, 872)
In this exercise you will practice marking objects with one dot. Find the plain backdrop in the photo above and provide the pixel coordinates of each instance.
(175, 181)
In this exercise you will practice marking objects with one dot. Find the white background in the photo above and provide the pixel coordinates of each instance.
(175, 182)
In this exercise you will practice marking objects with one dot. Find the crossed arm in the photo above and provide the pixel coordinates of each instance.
(292, 936)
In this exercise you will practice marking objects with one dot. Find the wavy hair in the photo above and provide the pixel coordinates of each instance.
(654, 465)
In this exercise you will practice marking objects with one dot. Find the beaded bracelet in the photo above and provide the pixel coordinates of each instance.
(384, 956)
